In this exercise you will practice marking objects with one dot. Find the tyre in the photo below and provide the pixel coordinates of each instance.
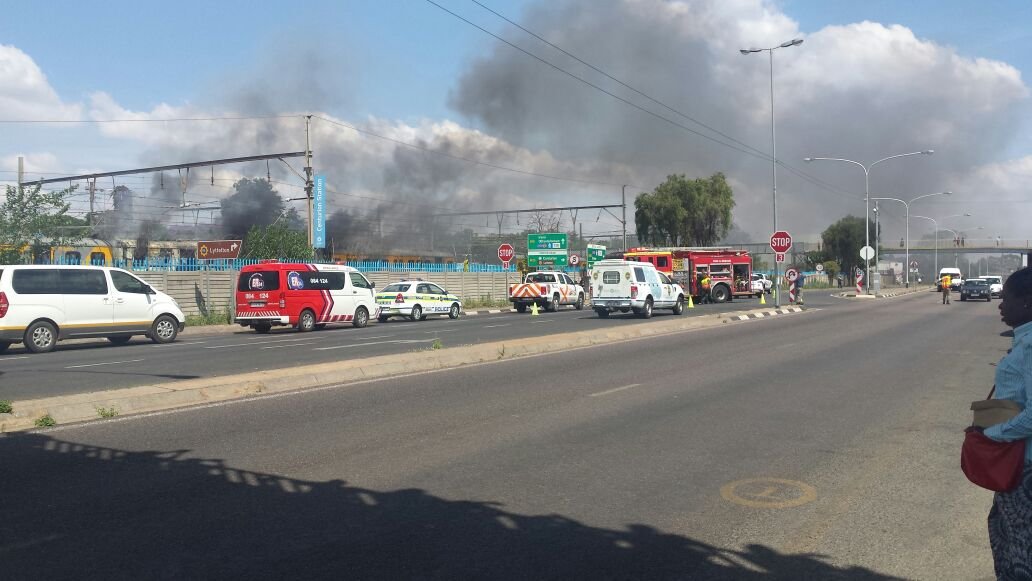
(306, 322)
(602, 313)
(382, 318)
(679, 306)
(40, 337)
(361, 318)
(521, 308)
(988, 299)
(453, 312)
(579, 305)
(553, 305)
(119, 339)
(165, 329)
(262, 328)
(646, 311)
(417, 313)
(963, 297)
(720, 294)
(4, 345)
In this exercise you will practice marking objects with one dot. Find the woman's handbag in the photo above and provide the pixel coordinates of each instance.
(990, 464)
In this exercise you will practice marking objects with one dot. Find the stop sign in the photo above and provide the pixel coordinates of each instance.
(506, 252)
(780, 241)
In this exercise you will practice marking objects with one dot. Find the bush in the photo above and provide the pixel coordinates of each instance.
(5, 406)
(46, 421)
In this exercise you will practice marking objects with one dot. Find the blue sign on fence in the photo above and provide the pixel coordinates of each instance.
(319, 213)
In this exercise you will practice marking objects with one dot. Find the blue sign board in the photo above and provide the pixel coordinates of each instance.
(319, 213)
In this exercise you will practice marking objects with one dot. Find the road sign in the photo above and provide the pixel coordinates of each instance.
(913, 264)
(780, 242)
(595, 253)
(548, 249)
(791, 274)
(214, 249)
(505, 253)
(574, 260)
(779, 257)
(859, 272)
(867, 253)
(819, 268)
(319, 212)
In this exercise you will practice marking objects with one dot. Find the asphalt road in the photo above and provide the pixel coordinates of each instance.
(83, 367)
(818, 446)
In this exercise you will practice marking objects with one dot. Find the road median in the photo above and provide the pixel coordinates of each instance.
(150, 398)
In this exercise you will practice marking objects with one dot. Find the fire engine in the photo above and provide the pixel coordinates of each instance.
(729, 269)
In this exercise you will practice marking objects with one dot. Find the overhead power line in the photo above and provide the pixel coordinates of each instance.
(173, 119)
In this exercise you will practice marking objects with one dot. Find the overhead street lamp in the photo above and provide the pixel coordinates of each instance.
(867, 193)
(907, 206)
(936, 224)
(773, 141)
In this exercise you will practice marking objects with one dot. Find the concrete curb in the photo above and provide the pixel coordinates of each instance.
(150, 398)
(886, 295)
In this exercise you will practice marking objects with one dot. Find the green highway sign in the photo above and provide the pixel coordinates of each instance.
(595, 253)
(549, 249)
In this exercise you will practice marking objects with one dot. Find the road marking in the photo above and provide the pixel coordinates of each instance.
(10, 358)
(106, 363)
(180, 343)
(440, 331)
(397, 341)
(545, 321)
(614, 390)
(287, 345)
(494, 326)
(248, 344)
(768, 492)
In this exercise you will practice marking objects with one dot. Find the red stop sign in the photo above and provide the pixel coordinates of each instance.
(780, 241)
(506, 252)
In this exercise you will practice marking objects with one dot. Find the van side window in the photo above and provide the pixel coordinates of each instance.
(611, 277)
(33, 281)
(639, 274)
(261, 280)
(357, 280)
(436, 289)
(83, 282)
(127, 283)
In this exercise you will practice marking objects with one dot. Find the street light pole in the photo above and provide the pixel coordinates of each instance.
(773, 142)
(936, 224)
(907, 206)
(867, 194)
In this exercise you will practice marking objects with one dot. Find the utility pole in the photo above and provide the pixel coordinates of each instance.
(93, 189)
(309, 183)
(21, 170)
(623, 221)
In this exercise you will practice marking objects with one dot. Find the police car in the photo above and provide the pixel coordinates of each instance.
(416, 299)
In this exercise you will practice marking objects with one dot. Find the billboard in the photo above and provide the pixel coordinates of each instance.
(319, 213)
(547, 250)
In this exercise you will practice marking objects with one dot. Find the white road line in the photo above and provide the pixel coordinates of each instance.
(398, 341)
(285, 345)
(440, 331)
(614, 390)
(248, 344)
(494, 326)
(534, 322)
(10, 358)
(106, 363)
(181, 343)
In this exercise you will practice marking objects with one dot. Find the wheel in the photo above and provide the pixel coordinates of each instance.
(417, 313)
(679, 306)
(521, 307)
(553, 305)
(963, 297)
(453, 312)
(988, 299)
(262, 328)
(119, 339)
(361, 318)
(320, 326)
(646, 311)
(306, 322)
(164, 330)
(579, 305)
(40, 337)
(602, 313)
(720, 294)
(4, 345)
(382, 318)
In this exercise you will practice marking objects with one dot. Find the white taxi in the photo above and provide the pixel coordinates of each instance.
(416, 299)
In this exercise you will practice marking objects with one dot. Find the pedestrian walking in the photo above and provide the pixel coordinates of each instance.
(1010, 519)
(946, 281)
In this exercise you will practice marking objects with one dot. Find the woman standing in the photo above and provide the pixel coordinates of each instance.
(1010, 520)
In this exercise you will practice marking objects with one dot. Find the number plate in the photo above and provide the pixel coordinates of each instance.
(257, 304)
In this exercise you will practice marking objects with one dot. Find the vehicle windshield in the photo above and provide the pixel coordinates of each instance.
(976, 282)
(395, 288)
(540, 277)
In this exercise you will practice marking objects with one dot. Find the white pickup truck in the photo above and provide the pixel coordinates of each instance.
(548, 289)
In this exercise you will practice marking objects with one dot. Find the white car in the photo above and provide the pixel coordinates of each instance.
(761, 283)
(416, 300)
(626, 285)
(995, 284)
(42, 304)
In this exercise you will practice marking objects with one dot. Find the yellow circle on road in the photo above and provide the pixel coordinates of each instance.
(768, 492)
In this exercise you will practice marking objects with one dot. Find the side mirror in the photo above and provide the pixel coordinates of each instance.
(148, 289)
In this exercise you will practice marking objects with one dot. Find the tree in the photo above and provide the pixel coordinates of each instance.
(683, 212)
(254, 203)
(843, 241)
(545, 222)
(276, 241)
(34, 219)
(831, 268)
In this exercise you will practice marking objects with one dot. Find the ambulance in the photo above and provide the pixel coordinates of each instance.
(303, 296)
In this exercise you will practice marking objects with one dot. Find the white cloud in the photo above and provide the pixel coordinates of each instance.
(25, 92)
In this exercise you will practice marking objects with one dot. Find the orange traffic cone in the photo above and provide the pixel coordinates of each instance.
(691, 304)
(533, 309)
(763, 301)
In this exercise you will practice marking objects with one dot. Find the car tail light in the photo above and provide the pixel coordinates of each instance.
(544, 290)
(4, 305)
(283, 300)
(634, 292)
(400, 298)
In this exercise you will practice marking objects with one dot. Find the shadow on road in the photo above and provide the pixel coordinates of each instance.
(79, 511)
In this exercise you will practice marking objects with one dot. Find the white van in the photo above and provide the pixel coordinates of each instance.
(43, 304)
(626, 285)
(956, 279)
